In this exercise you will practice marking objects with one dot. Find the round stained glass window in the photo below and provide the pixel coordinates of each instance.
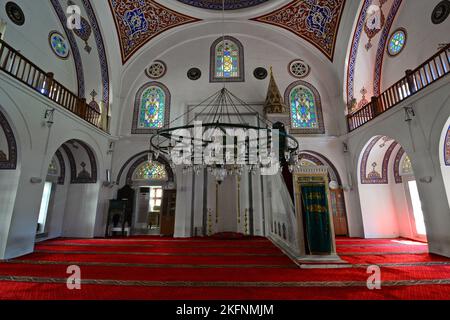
(58, 44)
(397, 42)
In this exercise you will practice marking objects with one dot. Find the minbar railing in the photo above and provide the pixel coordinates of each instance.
(16, 65)
(435, 68)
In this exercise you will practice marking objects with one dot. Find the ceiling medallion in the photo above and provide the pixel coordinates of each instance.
(156, 70)
(299, 69)
(218, 4)
(260, 73)
(441, 12)
(194, 74)
(15, 13)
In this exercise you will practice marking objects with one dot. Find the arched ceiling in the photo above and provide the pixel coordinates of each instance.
(218, 4)
(138, 22)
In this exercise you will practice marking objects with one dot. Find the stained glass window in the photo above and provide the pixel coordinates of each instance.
(303, 109)
(151, 171)
(152, 109)
(397, 42)
(227, 60)
(59, 45)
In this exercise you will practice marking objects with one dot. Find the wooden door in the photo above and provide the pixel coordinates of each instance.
(168, 212)
(339, 214)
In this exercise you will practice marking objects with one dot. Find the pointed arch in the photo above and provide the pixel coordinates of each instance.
(8, 161)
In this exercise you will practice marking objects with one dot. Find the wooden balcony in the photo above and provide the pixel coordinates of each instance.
(414, 81)
(16, 65)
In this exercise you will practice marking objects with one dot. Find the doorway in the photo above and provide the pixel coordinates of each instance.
(416, 217)
(147, 219)
(46, 201)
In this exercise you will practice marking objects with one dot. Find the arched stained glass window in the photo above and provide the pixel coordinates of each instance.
(151, 109)
(151, 171)
(305, 108)
(397, 42)
(227, 60)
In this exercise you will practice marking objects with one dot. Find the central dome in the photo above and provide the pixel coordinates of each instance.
(217, 4)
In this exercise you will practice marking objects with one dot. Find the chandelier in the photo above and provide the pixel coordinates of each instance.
(225, 136)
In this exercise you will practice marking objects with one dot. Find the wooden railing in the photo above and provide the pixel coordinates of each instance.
(414, 81)
(16, 65)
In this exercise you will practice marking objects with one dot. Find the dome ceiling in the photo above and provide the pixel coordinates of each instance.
(137, 22)
(218, 4)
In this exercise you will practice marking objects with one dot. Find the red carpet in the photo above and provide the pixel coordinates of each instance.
(224, 267)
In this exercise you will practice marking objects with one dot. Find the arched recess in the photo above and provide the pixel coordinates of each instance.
(150, 181)
(8, 145)
(338, 207)
(83, 165)
(444, 157)
(390, 202)
(68, 201)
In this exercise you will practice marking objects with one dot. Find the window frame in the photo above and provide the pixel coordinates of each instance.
(137, 108)
(318, 105)
(212, 69)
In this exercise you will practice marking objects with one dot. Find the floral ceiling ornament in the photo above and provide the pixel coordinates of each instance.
(137, 22)
(374, 22)
(363, 101)
(84, 32)
(93, 104)
(315, 21)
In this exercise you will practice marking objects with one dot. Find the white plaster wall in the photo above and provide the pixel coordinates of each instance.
(261, 47)
(26, 109)
(31, 40)
(420, 139)
(445, 169)
(424, 38)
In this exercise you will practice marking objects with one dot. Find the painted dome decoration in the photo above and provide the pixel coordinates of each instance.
(217, 4)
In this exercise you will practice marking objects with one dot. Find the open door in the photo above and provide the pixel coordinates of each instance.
(168, 212)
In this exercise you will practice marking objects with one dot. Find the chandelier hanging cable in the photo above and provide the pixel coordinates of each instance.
(217, 135)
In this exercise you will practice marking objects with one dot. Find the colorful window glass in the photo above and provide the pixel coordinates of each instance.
(227, 60)
(397, 42)
(59, 45)
(152, 109)
(303, 109)
(151, 171)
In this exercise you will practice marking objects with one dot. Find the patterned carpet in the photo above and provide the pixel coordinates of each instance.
(249, 269)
